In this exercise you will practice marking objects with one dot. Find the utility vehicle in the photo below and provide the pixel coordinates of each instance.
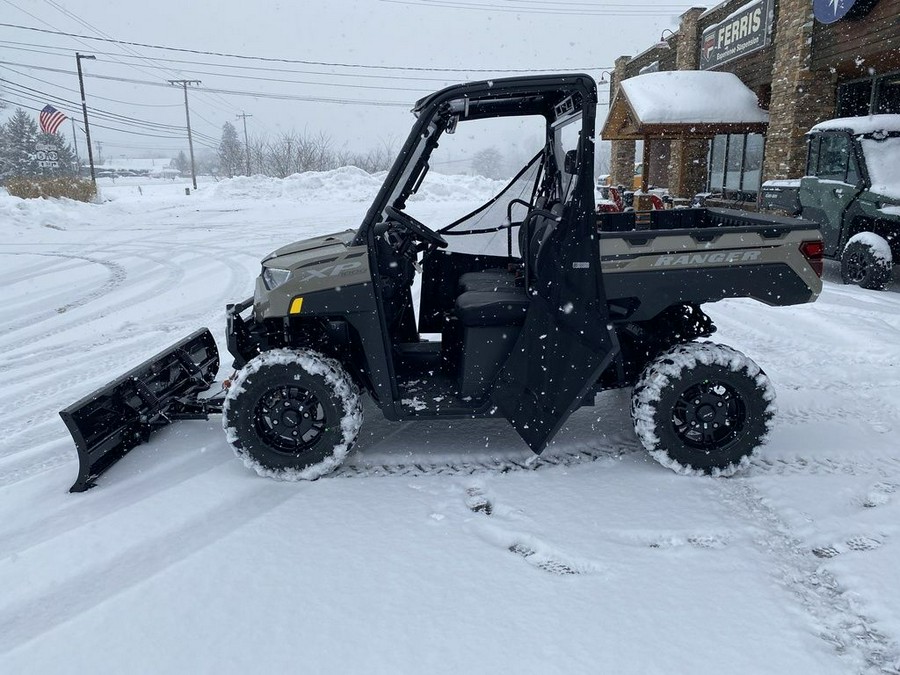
(523, 309)
(851, 187)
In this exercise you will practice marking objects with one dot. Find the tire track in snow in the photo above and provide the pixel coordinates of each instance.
(87, 510)
(133, 565)
(117, 276)
(882, 466)
(53, 267)
(173, 274)
(64, 377)
(853, 635)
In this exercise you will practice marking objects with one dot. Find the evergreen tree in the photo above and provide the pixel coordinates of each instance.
(17, 152)
(231, 152)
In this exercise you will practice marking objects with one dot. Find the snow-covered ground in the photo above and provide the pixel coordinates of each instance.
(434, 550)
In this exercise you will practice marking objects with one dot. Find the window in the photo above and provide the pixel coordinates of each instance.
(854, 98)
(753, 159)
(887, 95)
(717, 162)
(853, 171)
(834, 154)
(812, 159)
(735, 163)
(870, 96)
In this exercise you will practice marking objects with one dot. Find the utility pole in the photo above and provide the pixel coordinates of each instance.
(187, 114)
(75, 143)
(244, 116)
(87, 129)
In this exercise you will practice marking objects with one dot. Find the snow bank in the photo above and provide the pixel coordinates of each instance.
(349, 184)
(17, 214)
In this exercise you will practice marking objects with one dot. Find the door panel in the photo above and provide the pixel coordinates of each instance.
(825, 203)
(566, 341)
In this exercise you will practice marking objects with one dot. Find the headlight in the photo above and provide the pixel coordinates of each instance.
(275, 277)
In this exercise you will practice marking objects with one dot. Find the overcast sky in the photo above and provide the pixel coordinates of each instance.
(392, 52)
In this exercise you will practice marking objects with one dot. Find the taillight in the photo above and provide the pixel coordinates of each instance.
(814, 251)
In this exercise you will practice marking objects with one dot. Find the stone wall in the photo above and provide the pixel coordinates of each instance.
(801, 97)
(688, 159)
(622, 159)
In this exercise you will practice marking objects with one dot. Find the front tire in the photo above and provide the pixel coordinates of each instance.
(292, 414)
(866, 261)
(702, 408)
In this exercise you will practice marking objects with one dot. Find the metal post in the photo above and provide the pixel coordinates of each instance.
(75, 144)
(246, 144)
(87, 128)
(187, 115)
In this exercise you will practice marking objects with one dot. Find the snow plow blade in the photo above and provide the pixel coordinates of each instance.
(108, 423)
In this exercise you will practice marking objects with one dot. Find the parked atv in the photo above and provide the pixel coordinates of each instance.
(851, 187)
(558, 304)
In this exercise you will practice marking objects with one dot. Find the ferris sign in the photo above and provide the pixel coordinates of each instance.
(742, 32)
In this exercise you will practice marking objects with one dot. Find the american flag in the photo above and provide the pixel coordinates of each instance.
(51, 118)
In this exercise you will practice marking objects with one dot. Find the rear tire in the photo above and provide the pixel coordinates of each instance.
(702, 408)
(866, 261)
(292, 415)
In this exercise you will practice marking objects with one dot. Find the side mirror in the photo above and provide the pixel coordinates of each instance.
(571, 162)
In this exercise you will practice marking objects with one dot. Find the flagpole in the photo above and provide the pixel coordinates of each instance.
(75, 142)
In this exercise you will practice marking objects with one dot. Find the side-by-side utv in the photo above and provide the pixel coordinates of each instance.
(523, 309)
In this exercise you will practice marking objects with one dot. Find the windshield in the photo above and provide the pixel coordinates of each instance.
(495, 159)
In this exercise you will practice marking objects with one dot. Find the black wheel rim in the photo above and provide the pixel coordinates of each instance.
(290, 419)
(709, 416)
(857, 265)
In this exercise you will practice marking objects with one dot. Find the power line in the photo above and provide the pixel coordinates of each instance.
(602, 10)
(231, 92)
(42, 49)
(124, 48)
(26, 106)
(268, 59)
(42, 97)
(38, 96)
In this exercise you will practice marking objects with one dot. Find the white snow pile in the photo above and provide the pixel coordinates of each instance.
(345, 184)
(349, 184)
(457, 188)
(17, 214)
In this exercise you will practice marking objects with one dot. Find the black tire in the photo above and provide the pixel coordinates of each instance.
(292, 415)
(702, 408)
(866, 262)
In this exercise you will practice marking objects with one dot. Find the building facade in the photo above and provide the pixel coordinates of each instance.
(806, 60)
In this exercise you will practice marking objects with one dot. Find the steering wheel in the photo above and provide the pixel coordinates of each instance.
(423, 232)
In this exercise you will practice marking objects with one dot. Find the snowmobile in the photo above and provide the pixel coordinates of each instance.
(559, 304)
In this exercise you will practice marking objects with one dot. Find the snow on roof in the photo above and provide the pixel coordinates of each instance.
(860, 125)
(692, 97)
